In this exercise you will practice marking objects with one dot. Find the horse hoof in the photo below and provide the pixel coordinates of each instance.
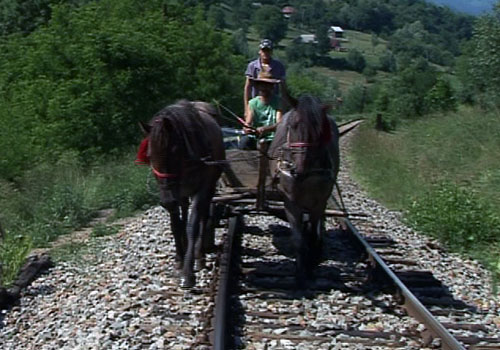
(199, 264)
(211, 249)
(188, 282)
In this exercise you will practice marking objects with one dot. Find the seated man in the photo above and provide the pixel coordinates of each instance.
(263, 114)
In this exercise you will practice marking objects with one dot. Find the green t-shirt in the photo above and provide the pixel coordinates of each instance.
(264, 115)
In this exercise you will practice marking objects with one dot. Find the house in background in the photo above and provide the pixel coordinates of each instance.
(337, 37)
(307, 39)
(288, 11)
(335, 32)
(336, 44)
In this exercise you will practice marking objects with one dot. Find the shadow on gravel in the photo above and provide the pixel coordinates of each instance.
(343, 267)
(278, 275)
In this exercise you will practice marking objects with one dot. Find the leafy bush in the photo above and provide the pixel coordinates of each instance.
(356, 60)
(441, 97)
(482, 60)
(456, 216)
(387, 62)
(355, 99)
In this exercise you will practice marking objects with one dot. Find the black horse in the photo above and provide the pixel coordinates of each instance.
(185, 151)
(306, 160)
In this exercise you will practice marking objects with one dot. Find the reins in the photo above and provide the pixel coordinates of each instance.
(235, 116)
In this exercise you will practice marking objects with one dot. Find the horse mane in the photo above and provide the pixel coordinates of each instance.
(185, 119)
(306, 121)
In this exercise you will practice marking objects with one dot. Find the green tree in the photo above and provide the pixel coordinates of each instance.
(302, 53)
(356, 60)
(215, 15)
(355, 99)
(441, 97)
(240, 43)
(387, 62)
(85, 79)
(482, 71)
(23, 15)
(270, 23)
(323, 46)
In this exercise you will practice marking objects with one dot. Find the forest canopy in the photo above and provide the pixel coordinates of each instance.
(82, 81)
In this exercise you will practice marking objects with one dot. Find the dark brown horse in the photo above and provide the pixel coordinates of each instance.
(185, 151)
(306, 160)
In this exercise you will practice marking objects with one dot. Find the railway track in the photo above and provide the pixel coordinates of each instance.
(246, 299)
(352, 304)
(369, 292)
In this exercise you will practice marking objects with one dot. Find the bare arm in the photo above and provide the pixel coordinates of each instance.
(246, 95)
(279, 116)
(248, 120)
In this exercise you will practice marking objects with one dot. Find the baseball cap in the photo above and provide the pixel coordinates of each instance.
(266, 44)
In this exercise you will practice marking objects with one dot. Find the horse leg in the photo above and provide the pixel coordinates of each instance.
(185, 213)
(178, 228)
(198, 211)
(315, 234)
(296, 226)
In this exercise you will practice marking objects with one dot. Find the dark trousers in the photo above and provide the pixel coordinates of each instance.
(247, 143)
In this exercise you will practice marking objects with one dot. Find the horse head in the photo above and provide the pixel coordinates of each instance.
(166, 152)
(308, 132)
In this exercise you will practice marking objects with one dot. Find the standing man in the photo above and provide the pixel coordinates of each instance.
(265, 63)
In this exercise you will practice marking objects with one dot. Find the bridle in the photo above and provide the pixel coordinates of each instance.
(288, 167)
(164, 175)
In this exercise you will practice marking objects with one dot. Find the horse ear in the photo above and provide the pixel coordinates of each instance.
(145, 128)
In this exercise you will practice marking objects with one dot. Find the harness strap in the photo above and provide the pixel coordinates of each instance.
(301, 144)
(163, 175)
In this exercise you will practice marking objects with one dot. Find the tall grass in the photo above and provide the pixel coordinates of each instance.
(444, 172)
(52, 200)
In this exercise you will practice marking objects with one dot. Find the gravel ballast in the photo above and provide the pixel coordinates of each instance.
(122, 292)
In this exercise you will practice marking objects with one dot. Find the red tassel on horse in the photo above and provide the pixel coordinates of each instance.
(142, 157)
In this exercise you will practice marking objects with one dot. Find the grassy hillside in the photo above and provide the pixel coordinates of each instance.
(371, 46)
(448, 164)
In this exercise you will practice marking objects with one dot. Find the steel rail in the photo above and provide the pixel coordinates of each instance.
(344, 128)
(221, 308)
(413, 306)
